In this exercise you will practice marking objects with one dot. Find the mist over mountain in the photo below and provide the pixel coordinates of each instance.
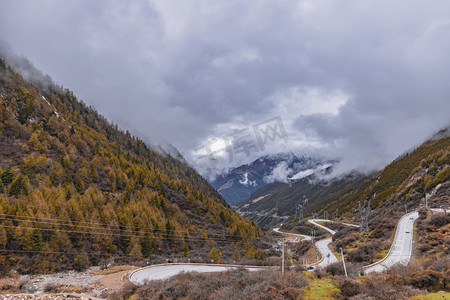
(417, 176)
(239, 183)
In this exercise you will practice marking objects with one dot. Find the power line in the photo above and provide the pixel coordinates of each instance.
(172, 236)
(78, 222)
(90, 253)
(156, 237)
(100, 226)
(54, 252)
(60, 224)
(124, 233)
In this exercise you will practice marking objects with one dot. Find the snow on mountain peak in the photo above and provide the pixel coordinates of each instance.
(247, 182)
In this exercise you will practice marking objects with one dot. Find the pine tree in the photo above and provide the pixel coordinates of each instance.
(36, 238)
(7, 176)
(146, 245)
(214, 255)
(169, 231)
(3, 238)
(237, 255)
(79, 184)
(17, 187)
(259, 255)
(68, 194)
(134, 249)
(185, 250)
(2, 190)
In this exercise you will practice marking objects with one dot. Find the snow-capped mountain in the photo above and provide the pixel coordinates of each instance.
(239, 183)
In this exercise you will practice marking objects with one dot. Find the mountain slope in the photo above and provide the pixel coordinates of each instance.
(75, 189)
(407, 180)
(424, 172)
(279, 201)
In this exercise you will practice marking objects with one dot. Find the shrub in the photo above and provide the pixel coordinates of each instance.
(422, 214)
(335, 269)
(439, 220)
(350, 288)
(49, 287)
(234, 284)
(128, 290)
(379, 288)
(344, 232)
(426, 280)
(81, 262)
(364, 253)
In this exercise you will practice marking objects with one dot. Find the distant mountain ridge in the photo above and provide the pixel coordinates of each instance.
(239, 183)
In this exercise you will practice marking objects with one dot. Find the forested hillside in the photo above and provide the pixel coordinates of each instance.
(408, 180)
(76, 190)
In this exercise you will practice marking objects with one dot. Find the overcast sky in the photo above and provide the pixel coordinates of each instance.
(363, 81)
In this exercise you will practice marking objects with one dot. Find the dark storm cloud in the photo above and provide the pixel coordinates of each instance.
(363, 81)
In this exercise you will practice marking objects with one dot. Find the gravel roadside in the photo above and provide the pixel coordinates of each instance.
(91, 284)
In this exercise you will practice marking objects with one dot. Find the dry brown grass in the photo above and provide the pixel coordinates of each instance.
(235, 284)
(113, 270)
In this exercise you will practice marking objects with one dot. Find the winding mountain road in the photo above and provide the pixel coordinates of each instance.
(302, 236)
(328, 256)
(314, 222)
(399, 253)
(165, 271)
(401, 248)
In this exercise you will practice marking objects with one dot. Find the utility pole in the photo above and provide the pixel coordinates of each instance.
(282, 258)
(343, 262)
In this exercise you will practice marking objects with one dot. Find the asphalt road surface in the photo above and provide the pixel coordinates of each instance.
(314, 222)
(301, 236)
(328, 257)
(400, 252)
(166, 271)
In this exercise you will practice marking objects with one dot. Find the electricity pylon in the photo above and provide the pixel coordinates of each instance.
(364, 213)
